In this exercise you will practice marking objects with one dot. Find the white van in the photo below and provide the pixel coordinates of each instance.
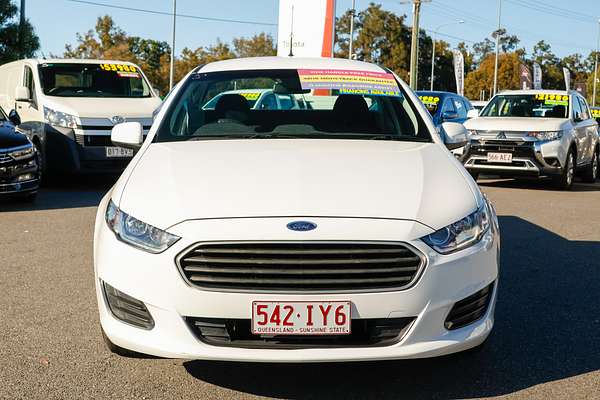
(68, 108)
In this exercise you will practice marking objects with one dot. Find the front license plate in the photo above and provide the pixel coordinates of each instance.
(301, 318)
(499, 157)
(118, 152)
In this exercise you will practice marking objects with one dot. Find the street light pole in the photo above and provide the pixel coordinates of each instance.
(352, 12)
(172, 69)
(433, 50)
(596, 67)
(497, 47)
(21, 37)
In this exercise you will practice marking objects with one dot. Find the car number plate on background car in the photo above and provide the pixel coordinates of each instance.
(499, 157)
(301, 318)
(118, 152)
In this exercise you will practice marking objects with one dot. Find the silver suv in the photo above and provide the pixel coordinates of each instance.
(534, 133)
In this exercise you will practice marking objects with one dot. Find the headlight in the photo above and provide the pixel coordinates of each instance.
(23, 152)
(137, 233)
(550, 135)
(461, 234)
(57, 118)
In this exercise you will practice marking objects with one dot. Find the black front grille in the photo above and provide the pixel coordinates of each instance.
(469, 309)
(238, 333)
(95, 140)
(516, 148)
(300, 266)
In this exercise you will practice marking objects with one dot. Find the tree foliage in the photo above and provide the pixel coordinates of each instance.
(10, 48)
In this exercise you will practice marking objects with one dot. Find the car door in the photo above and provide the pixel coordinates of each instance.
(589, 128)
(28, 110)
(579, 129)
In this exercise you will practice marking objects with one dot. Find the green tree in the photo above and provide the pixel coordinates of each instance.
(482, 79)
(257, 46)
(550, 64)
(10, 48)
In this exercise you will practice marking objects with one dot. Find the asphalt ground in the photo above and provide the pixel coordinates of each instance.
(545, 345)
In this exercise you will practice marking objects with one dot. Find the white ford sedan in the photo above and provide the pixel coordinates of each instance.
(342, 230)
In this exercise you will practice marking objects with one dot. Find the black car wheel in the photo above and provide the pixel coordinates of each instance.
(564, 181)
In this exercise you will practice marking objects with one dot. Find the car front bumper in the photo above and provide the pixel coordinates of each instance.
(529, 158)
(156, 281)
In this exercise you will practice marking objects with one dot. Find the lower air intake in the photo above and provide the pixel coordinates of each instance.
(469, 309)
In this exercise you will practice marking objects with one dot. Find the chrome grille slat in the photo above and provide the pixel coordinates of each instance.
(303, 281)
(296, 261)
(300, 266)
(295, 271)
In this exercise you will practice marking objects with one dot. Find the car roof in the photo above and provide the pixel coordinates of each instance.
(538, 91)
(438, 93)
(266, 63)
(75, 61)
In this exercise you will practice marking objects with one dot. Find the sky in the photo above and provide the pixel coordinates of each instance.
(58, 21)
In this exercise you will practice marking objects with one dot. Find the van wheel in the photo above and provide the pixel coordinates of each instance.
(41, 160)
(564, 181)
(590, 174)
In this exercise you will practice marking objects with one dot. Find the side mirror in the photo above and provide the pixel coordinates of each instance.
(156, 91)
(446, 115)
(455, 135)
(14, 117)
(577, 117)
(22, 94)
(128, 134)
(474, 113)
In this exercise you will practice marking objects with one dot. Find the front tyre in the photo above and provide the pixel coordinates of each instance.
(564, 181)
(590, 174)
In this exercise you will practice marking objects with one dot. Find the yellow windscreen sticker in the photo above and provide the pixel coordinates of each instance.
(118, 67)
(250, 95)
(553, 99)
(430, 100)
(595, 113)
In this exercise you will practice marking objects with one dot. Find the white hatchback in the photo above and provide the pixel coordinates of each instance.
(342, 231)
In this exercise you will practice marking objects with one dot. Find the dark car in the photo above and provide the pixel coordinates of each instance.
(446, 106)
(19, 171)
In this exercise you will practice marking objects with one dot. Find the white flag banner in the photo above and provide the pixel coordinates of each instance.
(537, 76)
(567, 74)
(459, 72)
(307, 26)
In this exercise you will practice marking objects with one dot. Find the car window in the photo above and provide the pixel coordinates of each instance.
(448, 106)
(2, 115)
(269, 102)
(585, 113)
(337, 104)
(93, 80)
(461, 110)
(577, 108)
(539, 105)
(286, 101)
(30, 83)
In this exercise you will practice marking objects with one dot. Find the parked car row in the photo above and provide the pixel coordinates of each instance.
(525, 133)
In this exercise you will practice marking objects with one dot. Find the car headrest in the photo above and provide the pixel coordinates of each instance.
(351, 106)
(231, 103)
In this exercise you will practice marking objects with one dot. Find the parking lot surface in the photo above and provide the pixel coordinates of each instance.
(545, 342)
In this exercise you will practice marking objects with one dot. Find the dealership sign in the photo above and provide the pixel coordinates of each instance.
(308, 26)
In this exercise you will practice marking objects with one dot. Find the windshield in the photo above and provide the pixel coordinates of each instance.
(292, 104)
(93, 80)
(541, 105)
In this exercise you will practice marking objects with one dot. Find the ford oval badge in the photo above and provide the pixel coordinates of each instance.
(301, 226)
